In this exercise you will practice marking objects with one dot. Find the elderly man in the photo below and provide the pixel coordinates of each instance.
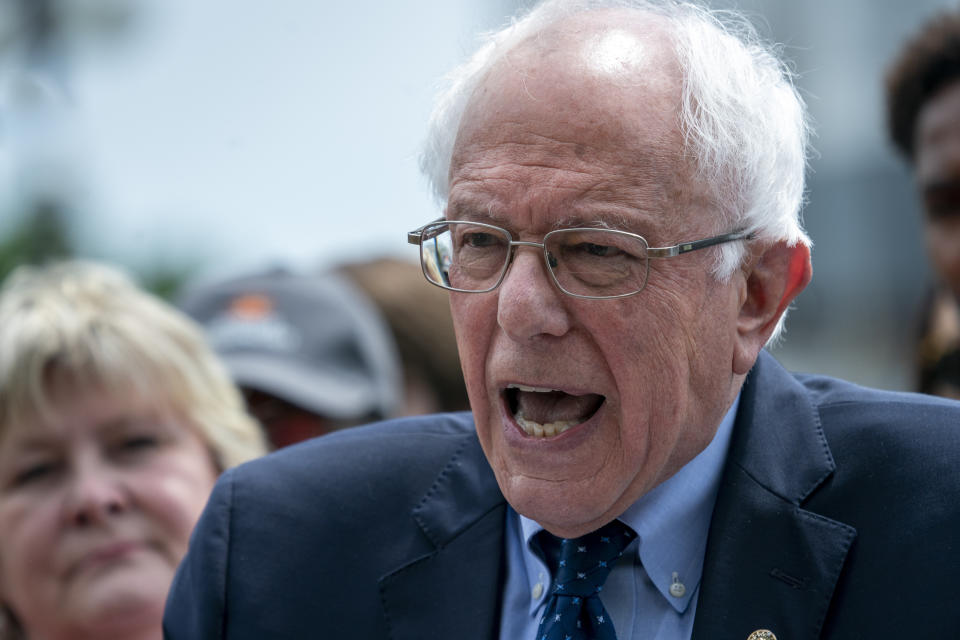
(620, 240)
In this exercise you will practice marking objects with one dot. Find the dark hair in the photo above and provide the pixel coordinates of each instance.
(928, 61)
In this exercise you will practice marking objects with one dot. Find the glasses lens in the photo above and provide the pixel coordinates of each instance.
(598, 263)
(464, 256)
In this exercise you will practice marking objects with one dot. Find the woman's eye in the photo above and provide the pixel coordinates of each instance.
(139, 443)
(34, 473)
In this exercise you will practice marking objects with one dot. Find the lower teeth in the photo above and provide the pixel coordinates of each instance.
(544, 430)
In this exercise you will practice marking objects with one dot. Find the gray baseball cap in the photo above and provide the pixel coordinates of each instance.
(314, 341)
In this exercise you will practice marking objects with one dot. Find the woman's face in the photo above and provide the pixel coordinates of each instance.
(96, 509)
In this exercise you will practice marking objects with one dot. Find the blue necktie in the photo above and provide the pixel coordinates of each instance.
(574, 610)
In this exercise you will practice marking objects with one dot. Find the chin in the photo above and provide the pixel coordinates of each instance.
(565, 511)
(124, 600)
(143, 619)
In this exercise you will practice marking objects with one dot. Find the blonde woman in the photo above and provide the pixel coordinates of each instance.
(115, 420)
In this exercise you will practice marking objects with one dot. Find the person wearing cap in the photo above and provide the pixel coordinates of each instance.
(621, 237)
(310, 352)
(419, 319)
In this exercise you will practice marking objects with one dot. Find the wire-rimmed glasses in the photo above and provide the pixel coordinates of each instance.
(594, 263)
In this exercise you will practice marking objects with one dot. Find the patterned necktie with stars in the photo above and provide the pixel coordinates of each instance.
(574, 610)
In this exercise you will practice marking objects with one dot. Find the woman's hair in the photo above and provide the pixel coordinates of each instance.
(743, 122)
(928, 62)
(90, 326)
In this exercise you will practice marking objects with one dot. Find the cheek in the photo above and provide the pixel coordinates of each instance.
(644, 342)
(173, 493)
(28, 532)
(474, 322)
(674, 361)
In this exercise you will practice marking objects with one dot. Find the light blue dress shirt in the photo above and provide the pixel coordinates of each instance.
(651, 593)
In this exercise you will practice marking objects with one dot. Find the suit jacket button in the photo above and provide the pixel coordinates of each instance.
(762, 634)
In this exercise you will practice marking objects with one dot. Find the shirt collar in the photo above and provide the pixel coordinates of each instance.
(671, 521)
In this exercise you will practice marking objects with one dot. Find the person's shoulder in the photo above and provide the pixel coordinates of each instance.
(399, 457)
(856, 420)
(840, 396)
(828, 390)
(440, 429)
(369, 448)
(854, 405)
(919, 430)
(328, 518)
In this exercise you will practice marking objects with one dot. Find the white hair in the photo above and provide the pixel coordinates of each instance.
(743, 122)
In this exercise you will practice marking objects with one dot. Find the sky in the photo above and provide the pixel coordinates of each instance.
(231, 134)
(238, 134)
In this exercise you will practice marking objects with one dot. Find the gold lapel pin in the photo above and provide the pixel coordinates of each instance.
(762, 634)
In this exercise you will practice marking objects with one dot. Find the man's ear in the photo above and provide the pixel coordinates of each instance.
(773, 279)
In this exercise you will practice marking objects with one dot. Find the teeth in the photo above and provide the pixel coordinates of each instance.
(536, 429)
(547, 430)
(523, 387)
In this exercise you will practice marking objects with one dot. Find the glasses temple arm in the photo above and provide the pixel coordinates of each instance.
(416, 236)
(686, 247)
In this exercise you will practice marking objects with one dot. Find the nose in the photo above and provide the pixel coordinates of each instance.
(529, 302)
(95, 495)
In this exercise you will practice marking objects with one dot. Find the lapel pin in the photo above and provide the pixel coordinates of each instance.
(762, 634)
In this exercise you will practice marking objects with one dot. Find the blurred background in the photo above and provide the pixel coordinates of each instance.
(191, 140)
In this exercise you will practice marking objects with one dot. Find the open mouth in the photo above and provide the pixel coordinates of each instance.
(544, 413)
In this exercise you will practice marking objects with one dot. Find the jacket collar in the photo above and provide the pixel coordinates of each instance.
(770, 563)
(453, 589)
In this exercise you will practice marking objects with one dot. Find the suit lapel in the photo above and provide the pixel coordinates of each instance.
(771, 564)
(454, 589)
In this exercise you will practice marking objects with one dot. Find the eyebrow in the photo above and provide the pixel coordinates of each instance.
(471, 210)
(28, 442)
(32, 443)
(606, 220)
(35, 442)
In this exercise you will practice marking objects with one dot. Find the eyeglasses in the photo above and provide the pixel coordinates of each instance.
(473, 257)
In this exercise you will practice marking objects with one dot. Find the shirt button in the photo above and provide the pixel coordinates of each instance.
(537, 591)
(677, 589)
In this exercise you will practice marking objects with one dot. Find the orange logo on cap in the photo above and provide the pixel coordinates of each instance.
(251, 306)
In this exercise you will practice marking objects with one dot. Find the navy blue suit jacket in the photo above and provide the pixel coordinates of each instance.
(838, 517)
